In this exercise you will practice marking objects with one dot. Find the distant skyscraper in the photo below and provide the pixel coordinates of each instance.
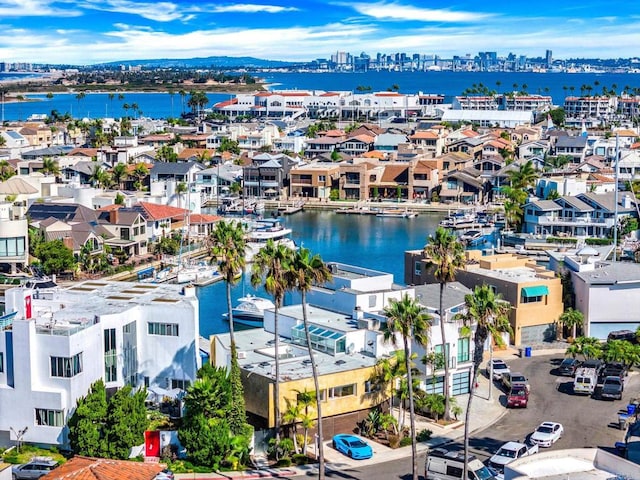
(549, 58)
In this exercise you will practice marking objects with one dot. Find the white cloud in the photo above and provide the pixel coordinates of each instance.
(158, 12)
(395, 12)
(34, 8)
(251, 8)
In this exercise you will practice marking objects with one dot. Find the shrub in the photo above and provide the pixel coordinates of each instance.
(300, 459)
(405, 441)
(284, 462)
(424, 435)
(394, 441)
(598, 241)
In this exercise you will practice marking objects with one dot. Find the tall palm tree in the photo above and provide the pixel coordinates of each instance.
(524, 177)
(446, 254)
(182, 94)
(305, 271)
(140, 172)
(271, 267)
(409, 319)
(118, 173)
(228, 249)
(50, 167)
(99, 177)
(490, 314)
(572, 319)
(181, 189)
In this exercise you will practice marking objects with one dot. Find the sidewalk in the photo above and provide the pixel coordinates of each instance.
(484, 412)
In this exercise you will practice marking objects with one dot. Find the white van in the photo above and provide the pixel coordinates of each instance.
(585, 381)
(443, 464)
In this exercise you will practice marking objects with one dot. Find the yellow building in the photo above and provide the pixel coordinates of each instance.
(535, 293)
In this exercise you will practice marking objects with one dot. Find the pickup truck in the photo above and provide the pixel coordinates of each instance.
(509, 452)
(612, 388)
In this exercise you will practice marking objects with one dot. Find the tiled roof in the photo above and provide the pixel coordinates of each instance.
(153, 211)
(198, 218)
(87, 468)
(395, 173)
(423, 134)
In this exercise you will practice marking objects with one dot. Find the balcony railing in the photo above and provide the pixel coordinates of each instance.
(573, 221)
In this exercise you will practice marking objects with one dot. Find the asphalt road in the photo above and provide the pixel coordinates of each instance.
(587, 422)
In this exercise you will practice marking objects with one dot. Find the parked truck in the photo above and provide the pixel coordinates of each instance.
(585, 381)
(509, 452)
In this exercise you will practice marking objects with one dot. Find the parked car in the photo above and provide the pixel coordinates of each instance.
(627, 335)
(443, 464)
(36, 468)
(499, 368)
(352, 446)
(585, 381)
(509, 452)
(614, 369)
(598, 365)
(547, 434)
(612, 388)
(569, 366)
(510, 378)
(518, 396)
(165, 474)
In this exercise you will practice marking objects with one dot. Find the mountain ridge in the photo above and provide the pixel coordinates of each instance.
(208, 62)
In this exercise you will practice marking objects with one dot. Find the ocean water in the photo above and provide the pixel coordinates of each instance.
(362, 240)
(449, 84)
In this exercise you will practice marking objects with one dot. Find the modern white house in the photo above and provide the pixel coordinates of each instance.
(14, 241)
(55, 343)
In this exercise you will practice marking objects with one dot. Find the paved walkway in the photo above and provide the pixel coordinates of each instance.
(485, 411)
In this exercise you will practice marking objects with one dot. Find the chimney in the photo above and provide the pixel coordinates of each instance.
(114, 217)
(68, 242)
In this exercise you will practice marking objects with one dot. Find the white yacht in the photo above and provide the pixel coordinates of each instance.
(261, 231)
(250, 310)
(199, 273)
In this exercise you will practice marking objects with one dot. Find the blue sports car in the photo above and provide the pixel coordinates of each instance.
(352, 446)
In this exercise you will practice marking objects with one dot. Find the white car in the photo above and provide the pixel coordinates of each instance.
(547, 434)
(499, 367)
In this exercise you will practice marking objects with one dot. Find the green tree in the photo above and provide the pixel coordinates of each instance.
(229, 251)
(99, 176)
(489, 313)
(270, 268)
(588, 347)
(307, 270)
(166, 153)
(407, 318)
(50, 167)
(181, 189)
(126, 421)
(446, 254)
(572, 319)
(228, 145)
(197, 101)
(621, 351)
(558, 116)
(55, 257)
(6, 170)
(524, 177)
(140, 172)
(119, 172)
(87, 425)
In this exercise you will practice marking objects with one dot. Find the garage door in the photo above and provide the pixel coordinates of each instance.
(537, 334)
(461, 383)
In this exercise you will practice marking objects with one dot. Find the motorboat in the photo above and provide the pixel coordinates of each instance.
(200, 272)
(470, 236)
(396, 213)
(250, 310)
(460, 219)
(261, 231)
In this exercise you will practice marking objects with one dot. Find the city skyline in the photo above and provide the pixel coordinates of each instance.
(93, 31)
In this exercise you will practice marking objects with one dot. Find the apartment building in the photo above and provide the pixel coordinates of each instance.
(594, 107)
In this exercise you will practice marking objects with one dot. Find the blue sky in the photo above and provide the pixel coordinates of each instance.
(92, 31)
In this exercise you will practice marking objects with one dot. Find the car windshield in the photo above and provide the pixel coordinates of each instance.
(503, 452)
(518, 392)
(612, 381)
(544, 429)
(483, 474)
(567, 362)
(518, 379)
(356, 443)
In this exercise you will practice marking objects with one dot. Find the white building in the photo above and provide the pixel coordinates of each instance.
(56, 343)
(14, 238)
(490, 118)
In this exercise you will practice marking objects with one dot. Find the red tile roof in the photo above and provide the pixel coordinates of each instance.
(109, 208)
(87, 468)
(161, 212)
(198, 218)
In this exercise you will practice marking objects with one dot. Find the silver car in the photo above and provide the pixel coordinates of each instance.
(33, 469)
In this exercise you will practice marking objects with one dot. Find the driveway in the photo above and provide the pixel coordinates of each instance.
(587, 422)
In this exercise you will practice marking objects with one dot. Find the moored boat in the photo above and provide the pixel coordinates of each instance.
(261, 231)
(396, 213)
(250, 310)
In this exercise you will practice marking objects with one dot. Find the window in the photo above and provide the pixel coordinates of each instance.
(110, 356)
(167, 329)
(532, 299)
(417, 268)
(300, 398)
(1, 362)
(434, 385)
(181, 384)
(12, 247)
(447, 354)
(342, 391)
(463, 350)
(49, 418)
(372, 301)
(66, 367)
(455, 472)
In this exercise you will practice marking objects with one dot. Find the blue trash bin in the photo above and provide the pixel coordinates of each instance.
(631, 409)
(527, 351)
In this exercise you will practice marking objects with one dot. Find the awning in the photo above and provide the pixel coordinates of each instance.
(537, 291)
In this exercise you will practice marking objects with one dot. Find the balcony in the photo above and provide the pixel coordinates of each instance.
(607, 222)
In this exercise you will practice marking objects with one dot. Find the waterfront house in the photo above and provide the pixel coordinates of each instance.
(161, 220)
(75, 236)
(574, 147)
(266, 173)
(165, 178)
(314, 180)
(490, 118)
(535, 293)
(128, 229)
(356, 178)
(58, 342)
(596, 107)
(424, 177)
(463, 186)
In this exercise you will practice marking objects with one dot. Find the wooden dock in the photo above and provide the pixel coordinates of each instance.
(291, 208)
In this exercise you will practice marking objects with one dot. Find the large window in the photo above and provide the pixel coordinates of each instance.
(434, 385)
(447, 354)
(181, 384)
(49, 418)
(463, 350)
(12, 247)
(66, 367)
(167, 329)
(110, 356)
(342, 391)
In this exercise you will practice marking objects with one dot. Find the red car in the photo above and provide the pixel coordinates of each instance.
(518, 396)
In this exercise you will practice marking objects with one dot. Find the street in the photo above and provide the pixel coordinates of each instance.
(587, 422)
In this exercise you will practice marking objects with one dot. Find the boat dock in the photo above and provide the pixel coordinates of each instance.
(291, 208)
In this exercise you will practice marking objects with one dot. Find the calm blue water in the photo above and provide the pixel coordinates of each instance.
(163, 105)
(366, 241)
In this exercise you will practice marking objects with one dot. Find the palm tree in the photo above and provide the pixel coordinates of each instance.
(182, 94)
(50, 167)
(271, 267)
(409, 319)
(572, 319)
(181, 189)
(306, 400)
(305, 271)
(489, 313)
(99, 177)
(118, 173)
(524, 177)
(6, 170)
(291, 416)
(111, 96)
(446, 254)
(140, 172)
(588, 347)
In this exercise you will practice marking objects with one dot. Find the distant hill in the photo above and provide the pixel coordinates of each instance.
(204, 62)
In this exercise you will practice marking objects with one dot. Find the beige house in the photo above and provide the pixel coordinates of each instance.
(313, 180)
(535, 293)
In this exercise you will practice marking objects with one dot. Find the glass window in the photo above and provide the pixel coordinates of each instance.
(66, 367)
(461, 382)
(49, 418)
(435, 384)
(165, 329)
(372, 301)
(181, 384)
(342, 391)
(463, 350)
(110, 356)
